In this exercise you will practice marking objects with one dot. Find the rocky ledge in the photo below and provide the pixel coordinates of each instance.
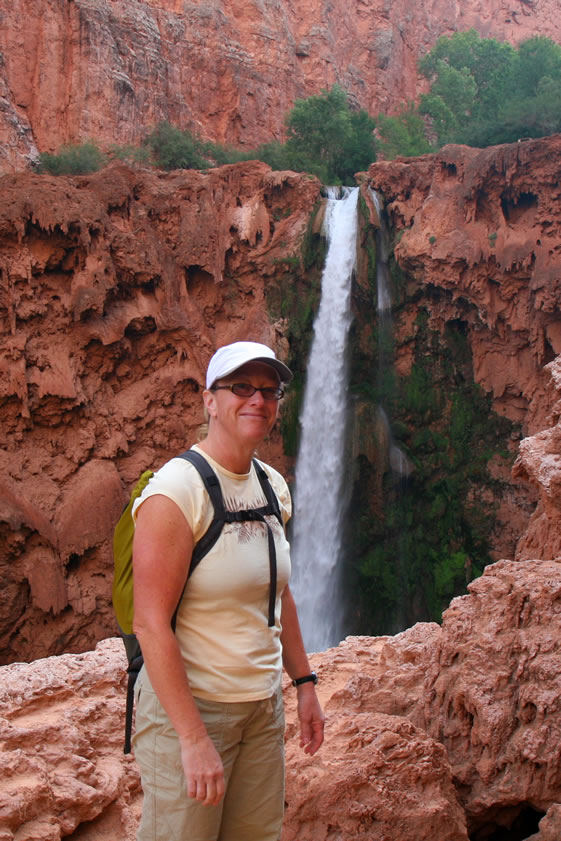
(440, 733)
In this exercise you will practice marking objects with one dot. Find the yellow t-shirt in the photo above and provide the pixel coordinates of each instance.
(230, 653)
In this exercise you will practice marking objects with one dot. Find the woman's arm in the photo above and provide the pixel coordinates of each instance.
(296, 663)
(163, 545)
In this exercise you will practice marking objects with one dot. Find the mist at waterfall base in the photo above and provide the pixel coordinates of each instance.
(319, 500)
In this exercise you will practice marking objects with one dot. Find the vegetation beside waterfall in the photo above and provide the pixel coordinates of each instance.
(416, 538)
(293, 295)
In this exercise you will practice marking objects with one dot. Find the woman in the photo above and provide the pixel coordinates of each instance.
(209, 721)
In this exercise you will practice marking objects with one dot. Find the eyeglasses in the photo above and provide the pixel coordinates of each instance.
(247, 390)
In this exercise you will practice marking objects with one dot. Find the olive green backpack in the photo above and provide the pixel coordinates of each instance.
(123, 600)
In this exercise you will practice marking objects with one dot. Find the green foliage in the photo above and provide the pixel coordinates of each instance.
(329, 140)
(484, 91)
(403, 134)
(79, 159)
(131, 155)
(172, 148)
(429, 535)
(294, 296)
(538, 59)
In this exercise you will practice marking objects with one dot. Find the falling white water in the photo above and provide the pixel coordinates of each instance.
(321, 474)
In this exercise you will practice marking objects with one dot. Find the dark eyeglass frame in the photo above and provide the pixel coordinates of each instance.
(247, 390)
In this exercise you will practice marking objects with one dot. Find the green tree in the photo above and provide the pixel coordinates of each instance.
(326, 138)
(484, 91)
(538, 59)
(172, 148)
(402, 134)
(78, 159)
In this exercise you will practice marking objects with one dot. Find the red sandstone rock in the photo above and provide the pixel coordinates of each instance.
(61, 761)
(115, 291)
(429, 732)
(378, 777)
(84, 69)
(478, 232)
(485, 686)
(539, 464)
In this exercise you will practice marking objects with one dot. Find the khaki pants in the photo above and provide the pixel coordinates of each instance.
(249, 737)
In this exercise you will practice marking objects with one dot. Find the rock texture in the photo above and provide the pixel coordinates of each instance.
(484, 686)
(438, 732)
(61, 761)
(78, 69)
(539, 464)
(478, 236)
(115, 291)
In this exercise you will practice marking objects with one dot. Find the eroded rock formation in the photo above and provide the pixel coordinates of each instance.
(477, 235)
(71, 71)
(117, 288)
(482, 228)
(115, 291)
(434, 733)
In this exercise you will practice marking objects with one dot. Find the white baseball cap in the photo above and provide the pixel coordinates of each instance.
(229, 358)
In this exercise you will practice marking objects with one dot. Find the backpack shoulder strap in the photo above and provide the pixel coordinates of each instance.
(270, 495)
(212, 485)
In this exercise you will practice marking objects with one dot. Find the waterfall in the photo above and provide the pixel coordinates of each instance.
(321, 473)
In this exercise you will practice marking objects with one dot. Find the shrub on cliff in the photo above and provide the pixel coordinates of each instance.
(403, 134)
(172, 148)
(79, 159)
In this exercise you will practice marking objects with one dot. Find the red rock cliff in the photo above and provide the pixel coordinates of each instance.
(77, 69)
(115, 291)
(478, 235)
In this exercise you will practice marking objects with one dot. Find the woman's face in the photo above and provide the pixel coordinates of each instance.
(248, 418)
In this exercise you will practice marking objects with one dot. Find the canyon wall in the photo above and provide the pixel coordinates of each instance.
(475, 281)
(115, 292)
(72, 70)
(480, 231)
(116, 289)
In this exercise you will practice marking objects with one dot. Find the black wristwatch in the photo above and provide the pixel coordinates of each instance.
(311, 678)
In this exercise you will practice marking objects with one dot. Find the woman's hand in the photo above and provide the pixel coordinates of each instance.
(203, 769)
(311, 717)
